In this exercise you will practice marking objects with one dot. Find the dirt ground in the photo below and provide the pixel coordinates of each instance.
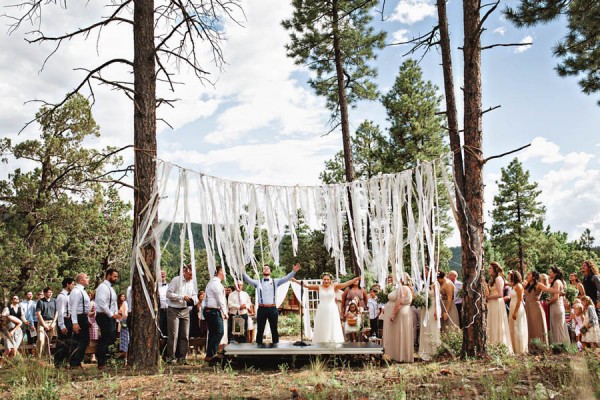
(563, 376)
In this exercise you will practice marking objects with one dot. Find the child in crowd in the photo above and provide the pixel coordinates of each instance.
(591, 335)
(352, 325)
(577, 321)
(374, 311)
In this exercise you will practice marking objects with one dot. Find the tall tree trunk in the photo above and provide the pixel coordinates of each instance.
(474, 305)
(144, 342)
(343, 103)
(520, 228)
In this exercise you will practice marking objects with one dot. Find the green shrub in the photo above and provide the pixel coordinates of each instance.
(451, 343)
(289, 324)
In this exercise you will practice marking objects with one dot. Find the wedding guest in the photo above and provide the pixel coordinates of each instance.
(578, 323)
(94, 329)
(107, 315)
(79, 307)
(354, 292)
(238, 303)
(429, 337)
(458, 285)
(163, 286)
(28, 311)
(558, 327)
(352, 322)
(517, 318)
(398, 340)
(574, 280)
(45, 311)
(215, 312)
(498, 331)
(545, 281)
(374, 312)
(449, 318)
(181, 295)
(13, 329)
(124, 328)
(591, 338)
(591, 282)
(65, 327)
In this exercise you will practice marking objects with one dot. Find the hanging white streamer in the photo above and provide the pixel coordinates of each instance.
(388, 213)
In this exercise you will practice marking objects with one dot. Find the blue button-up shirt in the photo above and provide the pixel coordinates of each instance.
(266, 288)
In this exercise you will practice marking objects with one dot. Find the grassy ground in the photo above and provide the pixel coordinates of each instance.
(548, 376)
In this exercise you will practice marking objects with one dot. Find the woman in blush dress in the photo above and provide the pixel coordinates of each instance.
(328, 328)
(398, 334)
(558, 326)
(517, 318)
(429, 337)
(497, 321)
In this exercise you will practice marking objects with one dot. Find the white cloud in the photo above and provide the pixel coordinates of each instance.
(524, 47)
(548, 152)
(412, 11)
(401, 35)
(569, 186)
(500, 30)
(287, 162)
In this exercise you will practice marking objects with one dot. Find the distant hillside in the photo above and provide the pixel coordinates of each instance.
(456, 260)
(175, 231)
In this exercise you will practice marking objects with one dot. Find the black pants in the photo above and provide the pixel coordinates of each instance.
(108, 336)
(63, 344)
(162, 322)
(267, 313)
(374, 324)
(214, 321)
(459, 308)
(80, 340)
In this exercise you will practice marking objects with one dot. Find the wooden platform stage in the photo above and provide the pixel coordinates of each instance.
(313, 349)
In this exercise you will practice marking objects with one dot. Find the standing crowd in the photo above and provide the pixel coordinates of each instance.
(409, 325)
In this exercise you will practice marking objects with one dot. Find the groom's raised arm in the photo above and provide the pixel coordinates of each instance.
(249, 280)
(288, 276)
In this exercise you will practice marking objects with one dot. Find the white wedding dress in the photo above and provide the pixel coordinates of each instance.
(328, 328)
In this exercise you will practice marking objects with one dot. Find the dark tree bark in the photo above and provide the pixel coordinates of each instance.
(474, 304)
(144, 349)
(347, 144)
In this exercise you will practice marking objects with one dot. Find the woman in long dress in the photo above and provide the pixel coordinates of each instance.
(536, 317)
(429, 337)
(558, 327)
(328, 328)
(517, 318)
(449, 311)
(124, 332)
(398, 334)
(497, 321)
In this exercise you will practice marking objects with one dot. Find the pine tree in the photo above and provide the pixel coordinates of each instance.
(586, 241)
(580, 48)
(368, 147)
(516, 209)
(416, 132)
(334, 39)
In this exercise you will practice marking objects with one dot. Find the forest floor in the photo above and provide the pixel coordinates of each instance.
(548, 376)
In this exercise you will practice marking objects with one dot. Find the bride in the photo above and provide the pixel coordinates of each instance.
(328, 328)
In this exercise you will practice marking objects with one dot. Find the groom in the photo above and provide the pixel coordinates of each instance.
(266, 289)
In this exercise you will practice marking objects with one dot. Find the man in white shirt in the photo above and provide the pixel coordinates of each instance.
(181, 295)
(65, 327)
(79, 307)
(238, 302)
(458, 285)
(215, 312)
(163, 286)
(107, 315)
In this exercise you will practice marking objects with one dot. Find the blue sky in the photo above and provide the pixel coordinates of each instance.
(259, 121)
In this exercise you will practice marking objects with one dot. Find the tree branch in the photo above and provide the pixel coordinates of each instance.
(507, 153)
(506, 45)
(490, 109)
